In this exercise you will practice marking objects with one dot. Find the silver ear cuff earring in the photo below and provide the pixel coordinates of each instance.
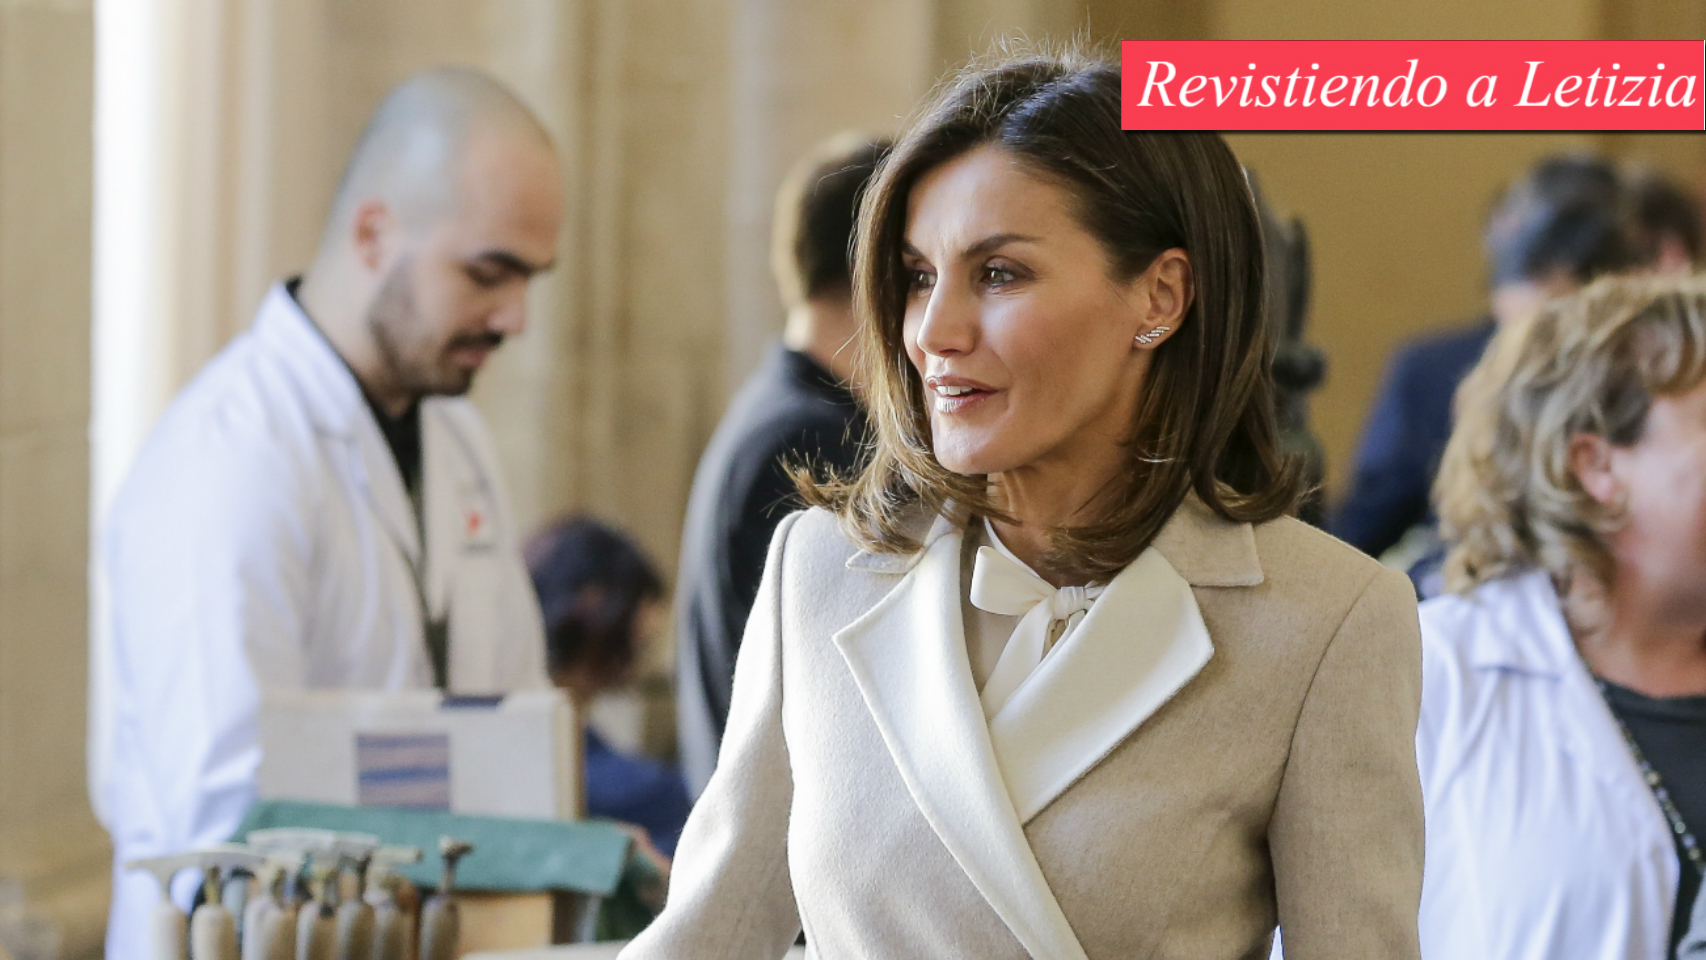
(1148, 338)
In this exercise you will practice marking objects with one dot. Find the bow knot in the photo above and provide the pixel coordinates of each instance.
(1066, 601)
(1002, 584)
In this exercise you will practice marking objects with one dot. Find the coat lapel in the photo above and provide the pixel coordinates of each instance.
(333, 398)
(1142, 641)
(459, 514)
(907, 655)
(383, 485)
(978, 782)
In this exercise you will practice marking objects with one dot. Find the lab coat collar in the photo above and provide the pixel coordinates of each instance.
(1523, 630)
(332, 397)
(330, 392)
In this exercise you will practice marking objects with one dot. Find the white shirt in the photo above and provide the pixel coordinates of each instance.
(264, 540)
(1543, 841)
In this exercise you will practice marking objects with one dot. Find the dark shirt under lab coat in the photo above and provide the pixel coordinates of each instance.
(790, 410)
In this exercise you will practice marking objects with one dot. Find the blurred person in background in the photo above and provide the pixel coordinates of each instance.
(321, 507)
(603, 602)
(797, 409)
(1667, 232)
(1562, 742)
(1558, 227)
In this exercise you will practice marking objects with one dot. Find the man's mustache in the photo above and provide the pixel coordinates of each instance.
(484, 341)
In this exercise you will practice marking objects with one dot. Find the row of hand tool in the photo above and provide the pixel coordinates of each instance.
(301, 894)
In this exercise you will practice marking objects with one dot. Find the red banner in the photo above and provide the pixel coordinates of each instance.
(1557, 85)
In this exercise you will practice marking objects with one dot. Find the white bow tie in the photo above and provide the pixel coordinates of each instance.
(1003, 585)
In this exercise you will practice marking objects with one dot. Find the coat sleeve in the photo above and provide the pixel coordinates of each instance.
(1346, 834)
(730, 895)
(207, 559)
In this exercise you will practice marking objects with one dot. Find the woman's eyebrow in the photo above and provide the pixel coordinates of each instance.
(996, 241)
(992, 242)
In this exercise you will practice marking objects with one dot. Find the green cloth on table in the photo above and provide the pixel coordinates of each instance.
(510, 856)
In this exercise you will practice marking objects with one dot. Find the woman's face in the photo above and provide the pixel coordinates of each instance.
(1660, 480)
(1024, 343)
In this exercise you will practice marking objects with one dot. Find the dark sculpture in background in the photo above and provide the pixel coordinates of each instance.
(1298, 366)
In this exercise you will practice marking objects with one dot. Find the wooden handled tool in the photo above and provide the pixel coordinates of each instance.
(441, 922)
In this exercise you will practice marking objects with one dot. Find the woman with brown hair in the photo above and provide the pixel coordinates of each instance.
(1053, 676)
(1563, 735)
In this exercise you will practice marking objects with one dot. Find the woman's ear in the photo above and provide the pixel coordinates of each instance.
(1163, 294)
(1591, 463)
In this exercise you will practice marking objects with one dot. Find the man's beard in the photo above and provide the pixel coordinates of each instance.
(411, 363)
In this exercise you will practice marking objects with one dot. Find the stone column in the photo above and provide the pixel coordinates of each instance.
(48, 839)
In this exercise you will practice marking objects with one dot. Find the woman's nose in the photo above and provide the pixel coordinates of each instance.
(949, 325)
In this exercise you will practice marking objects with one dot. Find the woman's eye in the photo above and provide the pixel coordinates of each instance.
(921, 281)
(998, 276)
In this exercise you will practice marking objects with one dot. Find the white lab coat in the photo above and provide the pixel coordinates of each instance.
(1543, 841)
(264, 540)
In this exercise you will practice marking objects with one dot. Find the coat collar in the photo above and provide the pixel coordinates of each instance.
(1520, 628)
(1202, 547)
(332, 398)
(1208, 550)
(928, 527)
(979, 782)
(326, 387)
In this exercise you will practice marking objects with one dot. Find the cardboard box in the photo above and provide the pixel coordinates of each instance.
(511, 756)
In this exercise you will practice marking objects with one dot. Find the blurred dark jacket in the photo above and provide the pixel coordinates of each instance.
(635, 789)
(791, 411)
(1405, 437)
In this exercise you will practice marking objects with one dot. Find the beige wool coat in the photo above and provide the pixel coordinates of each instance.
(1226, 742)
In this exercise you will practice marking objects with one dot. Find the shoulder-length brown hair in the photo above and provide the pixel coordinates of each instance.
(1206, 417)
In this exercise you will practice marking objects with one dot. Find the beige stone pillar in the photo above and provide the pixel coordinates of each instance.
(48, 840)
(803, 71)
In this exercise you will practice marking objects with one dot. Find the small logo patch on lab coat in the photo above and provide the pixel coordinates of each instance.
(478, 530)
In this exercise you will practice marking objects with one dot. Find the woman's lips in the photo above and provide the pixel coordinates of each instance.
(951, 394)
(962, 403)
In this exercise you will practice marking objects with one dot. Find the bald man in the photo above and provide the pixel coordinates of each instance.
(320, 507)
